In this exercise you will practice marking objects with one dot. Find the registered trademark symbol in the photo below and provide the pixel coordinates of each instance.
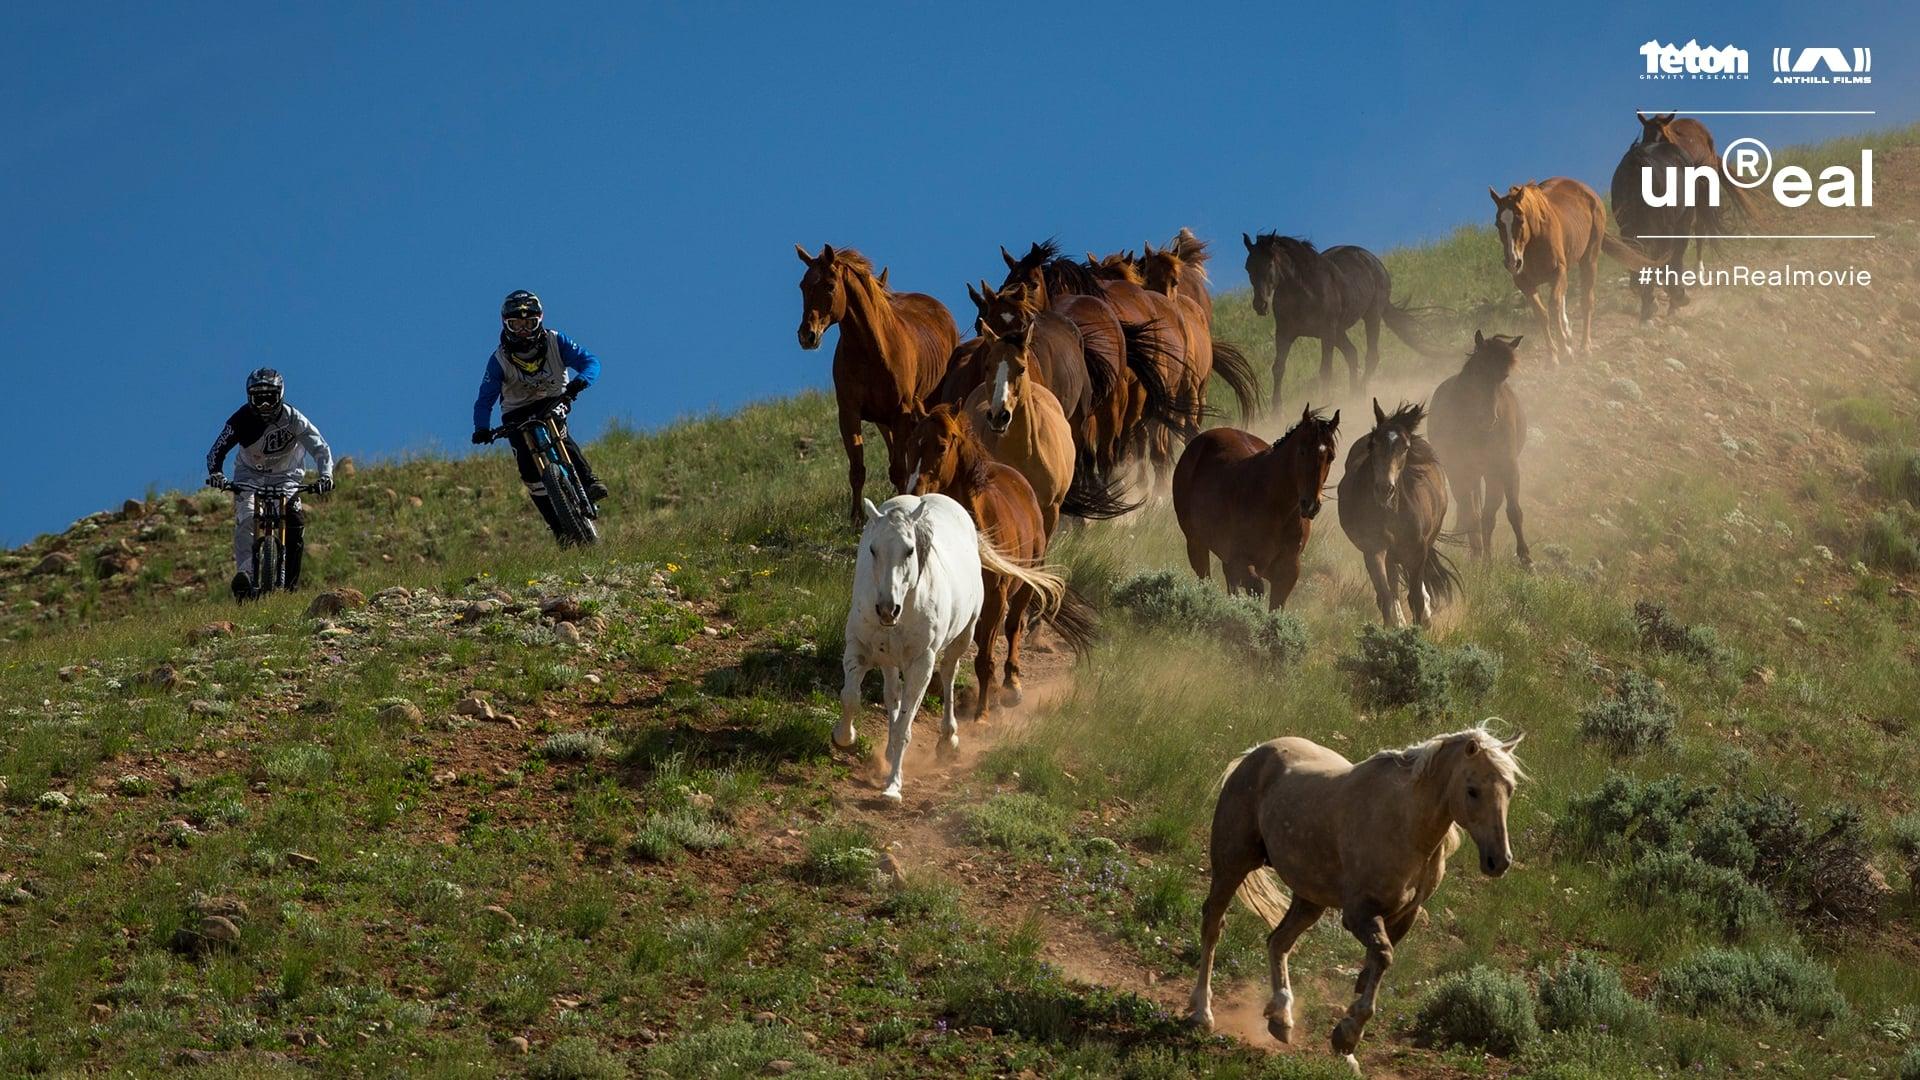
(1741, 161)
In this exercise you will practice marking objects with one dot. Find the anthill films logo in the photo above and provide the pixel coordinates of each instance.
(1824, 66)
(1693, 61)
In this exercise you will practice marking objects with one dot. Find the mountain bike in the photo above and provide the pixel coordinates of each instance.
(271, 508)
(545, 435)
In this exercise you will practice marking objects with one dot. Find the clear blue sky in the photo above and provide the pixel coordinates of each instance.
(344, 192)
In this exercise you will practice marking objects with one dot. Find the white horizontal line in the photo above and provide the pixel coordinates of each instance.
(1757, 236)
(1768, 112)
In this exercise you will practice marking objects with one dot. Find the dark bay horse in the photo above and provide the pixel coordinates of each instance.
(1253, 504)
(1693, 139)
(1321, 294)
(1477, 428)
(953, 462)
(892, 353)
(1659, 233)
(1546, 229)
(1167, 272)
(1393, 503)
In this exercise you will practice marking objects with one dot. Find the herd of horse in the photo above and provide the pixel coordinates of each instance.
(1081, 372)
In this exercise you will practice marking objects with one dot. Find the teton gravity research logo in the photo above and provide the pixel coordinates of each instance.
(1823, 66)
(1693, 61)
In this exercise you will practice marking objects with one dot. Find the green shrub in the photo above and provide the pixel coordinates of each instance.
(1868, 420)
(1772, 984)
(1479, 1007)
(1895, 470)
(1891, 540)
(1018, 822)
(1719, 838)
(663, 835)
(1910, 1063)
(1722, 897)
(1625, 811)
(1660, 630)
(1906, 841)
(574, 746)
(1403, 666)
(1167, 598)
(1584, 993)
(576, 1058)
(1639, 715)
(841, 855)
(1473, 672)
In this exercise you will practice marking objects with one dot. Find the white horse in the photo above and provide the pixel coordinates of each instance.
(917, 593)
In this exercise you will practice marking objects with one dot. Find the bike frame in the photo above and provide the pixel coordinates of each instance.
(270, 507)
(547, 439)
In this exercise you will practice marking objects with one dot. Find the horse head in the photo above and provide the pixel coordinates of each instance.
(1309, 447)
(1492, 358)
(1655, 128)
(1390, 445)
(1515, 227)
(1161, 269)
(1267, 266)
(894, 551)
(1479, 787)
(1002, 311)
(823, 294)
(934, 448)
(1009, 351)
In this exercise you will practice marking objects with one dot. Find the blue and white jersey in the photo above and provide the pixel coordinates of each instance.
(513, 384)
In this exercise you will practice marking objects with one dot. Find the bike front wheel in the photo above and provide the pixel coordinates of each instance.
(569, 504)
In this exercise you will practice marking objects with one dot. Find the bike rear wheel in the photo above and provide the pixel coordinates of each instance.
(267, 566)
(569, 503)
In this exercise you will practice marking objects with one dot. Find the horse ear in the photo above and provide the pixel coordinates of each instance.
(882, 279)
(978, 300)
(1494, 195)
(1379, 415)
(1472, 748)
(1012, 263)
(1306, 412)
(826, 253)
(1248, 240)
(1478, 340)
(1640, 116)
(1335, 422)
(873, 511)
(1515, 343)
(802, 252)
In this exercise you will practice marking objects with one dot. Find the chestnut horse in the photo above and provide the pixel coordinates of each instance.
(1371, 839)
(1546, 229)
(893, 350)
(1254, 504)
(1393, 502)
(1021, 423)
(1079, 377)
(1168, 273)
(1477, 429)
(951, 461)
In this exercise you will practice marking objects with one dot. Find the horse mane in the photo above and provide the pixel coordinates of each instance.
(853, 260)
(1408, 418)
(1191, 249)
(1421, 755)
(1112, 269)
(975, 459)
(1287, 244)
(1316, 416)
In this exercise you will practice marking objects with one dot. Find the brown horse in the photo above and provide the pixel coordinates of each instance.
(1696, 142)
(1061, 361)
(1477, 429)
(1170, 274)
(1021, 423)
(1546, 229)
(1371, 839)
(893, 350)
(1192, 252)
(951, 460)
(1254, 504)
(1393, 502)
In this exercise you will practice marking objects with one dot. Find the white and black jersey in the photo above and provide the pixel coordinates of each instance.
(272, 449)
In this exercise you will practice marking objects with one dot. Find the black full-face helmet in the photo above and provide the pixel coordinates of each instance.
(520, 316)
(265, 391)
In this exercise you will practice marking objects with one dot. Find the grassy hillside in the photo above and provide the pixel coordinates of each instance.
(516, 811)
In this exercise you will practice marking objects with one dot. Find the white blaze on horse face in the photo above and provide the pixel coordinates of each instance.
(997, 401)
(1505, 223)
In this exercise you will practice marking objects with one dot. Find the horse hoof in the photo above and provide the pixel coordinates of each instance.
(1281, 1032)
(1202, 1021)
(845, 743)
(1346, 1037)
(892, 793)
(1010, 694)
(1353, 1063)
(948, 746)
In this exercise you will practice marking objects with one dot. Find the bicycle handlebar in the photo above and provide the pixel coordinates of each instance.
(284, 489)
(504, 430)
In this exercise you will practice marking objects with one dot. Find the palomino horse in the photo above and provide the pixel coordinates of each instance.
(1321, 294)
(1393, 502)
(917, 599)
(1660, 232)
(1477, 429)
(893, 349)
(1062, 362)
(1371, 839)
(952, 461)
(1254, 504)
(1021, 423)
(1170, 275)
(1546, 229)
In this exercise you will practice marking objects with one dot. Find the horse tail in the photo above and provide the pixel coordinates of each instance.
(1237, 372)
(1443, 578)
(1075, 621)
(1145, 358)
(1260, 892)
(1046, 584)
(1407, 328)
(1623, 251)
(1094, 496)
(1099, 375)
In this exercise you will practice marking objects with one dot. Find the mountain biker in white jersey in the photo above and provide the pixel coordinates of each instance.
(274, 441)
(535, 370)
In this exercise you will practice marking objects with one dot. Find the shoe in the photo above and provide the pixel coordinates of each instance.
(597, 491)
(242, 587)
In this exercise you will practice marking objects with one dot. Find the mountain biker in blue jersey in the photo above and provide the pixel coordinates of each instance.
(274, 441)
(535, 369)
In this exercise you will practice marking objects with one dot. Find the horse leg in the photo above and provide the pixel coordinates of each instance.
(1383, 587)
(1483, 528)
(992, 609)
(854, 668)
(912, 687)
(1418, 599)
(1017, 606)
(1589, 273)
(1510, 483)
(1299, 918)
(1373, 348)
(1532, 293)
(1326, 368)
(1677, 292)
(855, 445)
(1559, 298)
(1466, 496)
(1371, 929)
(1355, 385)
(949, 715)
(1282, 574)
(1200, 559)
(896, 444)
(1282, 345)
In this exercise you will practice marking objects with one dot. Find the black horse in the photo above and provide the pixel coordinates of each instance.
(1320, 294)
(1660, 233)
